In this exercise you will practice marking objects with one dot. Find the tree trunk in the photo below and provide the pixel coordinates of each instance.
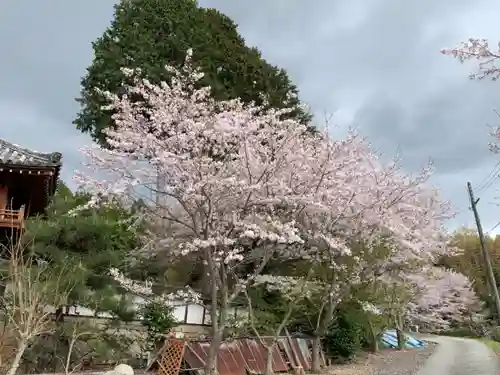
(375, 345)
(316, 354)
(59, 315)
(400, 334)
(269, 360)
(401, 338)
(21, 347)
(374, 338)
(218, 315)
(68, 357)
(211, 364)
(325, 320)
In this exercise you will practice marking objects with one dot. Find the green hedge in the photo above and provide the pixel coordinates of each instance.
(461, 332)
(345, 337)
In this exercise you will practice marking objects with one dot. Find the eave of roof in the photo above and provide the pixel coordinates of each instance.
(14, 155)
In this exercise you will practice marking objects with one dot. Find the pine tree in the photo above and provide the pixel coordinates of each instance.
(94, 240)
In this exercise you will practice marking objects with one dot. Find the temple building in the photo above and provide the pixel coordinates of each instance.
(28, 179)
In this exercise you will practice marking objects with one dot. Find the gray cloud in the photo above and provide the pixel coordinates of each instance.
(445, 125)
(46, 48)
(376, 65)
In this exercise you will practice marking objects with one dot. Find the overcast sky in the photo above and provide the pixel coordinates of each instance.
(372, 64)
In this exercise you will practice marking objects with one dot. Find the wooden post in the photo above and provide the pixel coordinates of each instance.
(486, 255)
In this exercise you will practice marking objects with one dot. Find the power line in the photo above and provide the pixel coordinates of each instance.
(489, 175)
(489, 179)
(490, 184)
(494, 227)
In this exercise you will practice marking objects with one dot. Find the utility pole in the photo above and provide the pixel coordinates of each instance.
(486, 255)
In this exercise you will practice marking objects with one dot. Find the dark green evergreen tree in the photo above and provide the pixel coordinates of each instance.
(94, 240)
(86, 243)
(148, 34)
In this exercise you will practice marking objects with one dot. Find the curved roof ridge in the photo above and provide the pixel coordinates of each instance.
(12, 154)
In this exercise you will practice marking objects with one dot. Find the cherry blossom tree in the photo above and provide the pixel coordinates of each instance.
(241, 185)
(390, 295)
(443, 298)
(377, 284)
(380, 248)
(420, 294)
(232, 188)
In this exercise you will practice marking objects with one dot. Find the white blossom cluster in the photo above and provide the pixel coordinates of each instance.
(144, 290)
(242, 184)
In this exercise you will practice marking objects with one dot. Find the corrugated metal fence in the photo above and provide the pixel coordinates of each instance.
(244, 355)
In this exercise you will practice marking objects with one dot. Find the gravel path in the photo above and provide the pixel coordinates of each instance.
(405, 362)
(387, 362)
(458, 356)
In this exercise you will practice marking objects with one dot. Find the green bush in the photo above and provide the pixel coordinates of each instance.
(346, 335)
(159, 320)
(495, 333)
(461, 332)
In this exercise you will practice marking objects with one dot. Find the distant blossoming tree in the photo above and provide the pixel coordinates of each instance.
(390, 236)
(443, 298)
(241, 184)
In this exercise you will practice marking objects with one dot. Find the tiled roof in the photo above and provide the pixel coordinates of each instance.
(11, 154)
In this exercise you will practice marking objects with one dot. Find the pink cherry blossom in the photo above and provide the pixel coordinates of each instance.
(238, 184)
(480, 50)
(443, 298)
(144, 290)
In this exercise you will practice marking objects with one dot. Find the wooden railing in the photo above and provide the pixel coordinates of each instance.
(12, 218)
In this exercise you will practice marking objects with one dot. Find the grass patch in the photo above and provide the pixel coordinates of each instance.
(495, 345)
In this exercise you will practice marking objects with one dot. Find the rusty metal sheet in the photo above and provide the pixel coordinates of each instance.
(201, 348)
(306, 365)
(230, 361)
(279, 363)
(290, 358)
(192, 358)
(195, 355)
(237, 356)
(252, 353)
(304, 349)
(308, 349)
(226, 361)
(235, 351)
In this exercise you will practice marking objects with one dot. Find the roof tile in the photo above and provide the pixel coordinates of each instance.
(11, 154)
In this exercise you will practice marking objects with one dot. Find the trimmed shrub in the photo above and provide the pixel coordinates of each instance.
(495, 333)
(346, 335)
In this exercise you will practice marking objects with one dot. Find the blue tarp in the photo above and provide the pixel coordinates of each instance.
(390, 339)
